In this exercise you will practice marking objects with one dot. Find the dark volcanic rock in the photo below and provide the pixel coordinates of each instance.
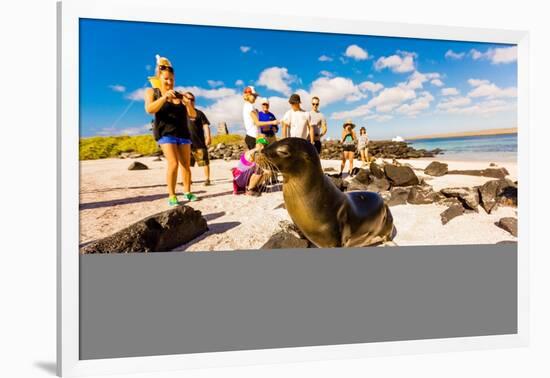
(376, 170)
(449, 201)
(362, 176)
(284, 239)
(420, 195)
(469, 197)
(399, 196)
(378, 184)
(452, 212)
(498, 192)
(400, 176)
(158, 233)
(489, 172)
(436, 168)
(340, 184)
(137, 166)
(509, 224)
(361, 181)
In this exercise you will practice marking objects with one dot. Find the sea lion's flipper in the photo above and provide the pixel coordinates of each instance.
(345, 229)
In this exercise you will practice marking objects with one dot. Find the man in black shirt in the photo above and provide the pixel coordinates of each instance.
(200, 136)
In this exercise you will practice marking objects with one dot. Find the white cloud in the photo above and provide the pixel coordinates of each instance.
(357, 112)
(138, 130)
(397, 63)
(484, 88)
(245, 49)
(485, 108)
(417, 105)
(326, 73)
(370, 86)
(118, 88)
(454, 102)
(137, 95)
(504, 55)
(211, 94)
(325, 58)
(215, 83)
(492, 91)
(356, 52)
(477, 82)
(499, 55)
(227, 109)
(277, 79)
(449, 92)
(417, 79)
(437, 82)
(379, 117)
(239, 83)
(450, 54)
(390, 98)
(335, 89)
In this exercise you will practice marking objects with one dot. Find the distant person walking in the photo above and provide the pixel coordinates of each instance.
(269, 131)
(296, 121)
(250, 118)
(348, 142)
(318, 122)
(200, 136)
(363, 145)
(170, 129)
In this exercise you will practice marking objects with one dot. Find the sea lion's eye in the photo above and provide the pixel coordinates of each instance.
(283, 152)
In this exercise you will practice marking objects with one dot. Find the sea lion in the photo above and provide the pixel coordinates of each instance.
(326, 216)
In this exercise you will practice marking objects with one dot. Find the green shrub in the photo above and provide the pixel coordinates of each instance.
(111, 147)
(227, 139)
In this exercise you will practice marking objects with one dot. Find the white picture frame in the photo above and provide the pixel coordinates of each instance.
(69, 13)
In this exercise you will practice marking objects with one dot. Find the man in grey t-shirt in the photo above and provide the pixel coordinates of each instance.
(318, 122)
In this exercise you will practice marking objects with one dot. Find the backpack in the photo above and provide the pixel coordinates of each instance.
(154, 126)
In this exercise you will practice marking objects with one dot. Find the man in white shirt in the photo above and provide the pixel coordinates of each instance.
(250, 117)
(319, 123)
(296, 121)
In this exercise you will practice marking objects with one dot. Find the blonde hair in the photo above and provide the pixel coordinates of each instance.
(161, 61)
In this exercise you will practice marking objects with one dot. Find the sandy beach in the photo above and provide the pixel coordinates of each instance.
(112, 197)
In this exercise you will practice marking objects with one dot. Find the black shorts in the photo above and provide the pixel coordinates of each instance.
(250, 141)
(318, 146)
(350, 148)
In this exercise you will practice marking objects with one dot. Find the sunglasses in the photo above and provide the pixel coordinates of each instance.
(166, 68)
(315, 104)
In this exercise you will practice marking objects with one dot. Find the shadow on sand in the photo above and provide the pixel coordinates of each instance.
(215, 228)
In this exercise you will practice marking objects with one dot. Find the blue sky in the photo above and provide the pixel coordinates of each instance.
(392, 86)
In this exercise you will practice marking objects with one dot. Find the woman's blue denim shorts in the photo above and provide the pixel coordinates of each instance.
(169, 139)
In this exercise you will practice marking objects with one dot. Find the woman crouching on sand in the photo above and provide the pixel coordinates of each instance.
(171, 130)
(348, 142)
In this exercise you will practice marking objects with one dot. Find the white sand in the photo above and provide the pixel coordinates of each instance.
(113, 197)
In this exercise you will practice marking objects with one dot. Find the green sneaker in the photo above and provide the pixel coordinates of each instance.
(190, 197)
(173, 201)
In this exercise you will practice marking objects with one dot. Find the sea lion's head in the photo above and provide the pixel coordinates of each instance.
(291, 156)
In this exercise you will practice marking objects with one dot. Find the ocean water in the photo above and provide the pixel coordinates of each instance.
(473, 148)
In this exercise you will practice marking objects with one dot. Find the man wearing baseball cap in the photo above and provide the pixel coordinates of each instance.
(296, 121)
(264, 115)
(250, 117)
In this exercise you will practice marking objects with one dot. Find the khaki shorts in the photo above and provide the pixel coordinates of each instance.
(200, 156)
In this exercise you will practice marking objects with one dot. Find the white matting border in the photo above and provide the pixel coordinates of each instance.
(69, 13)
